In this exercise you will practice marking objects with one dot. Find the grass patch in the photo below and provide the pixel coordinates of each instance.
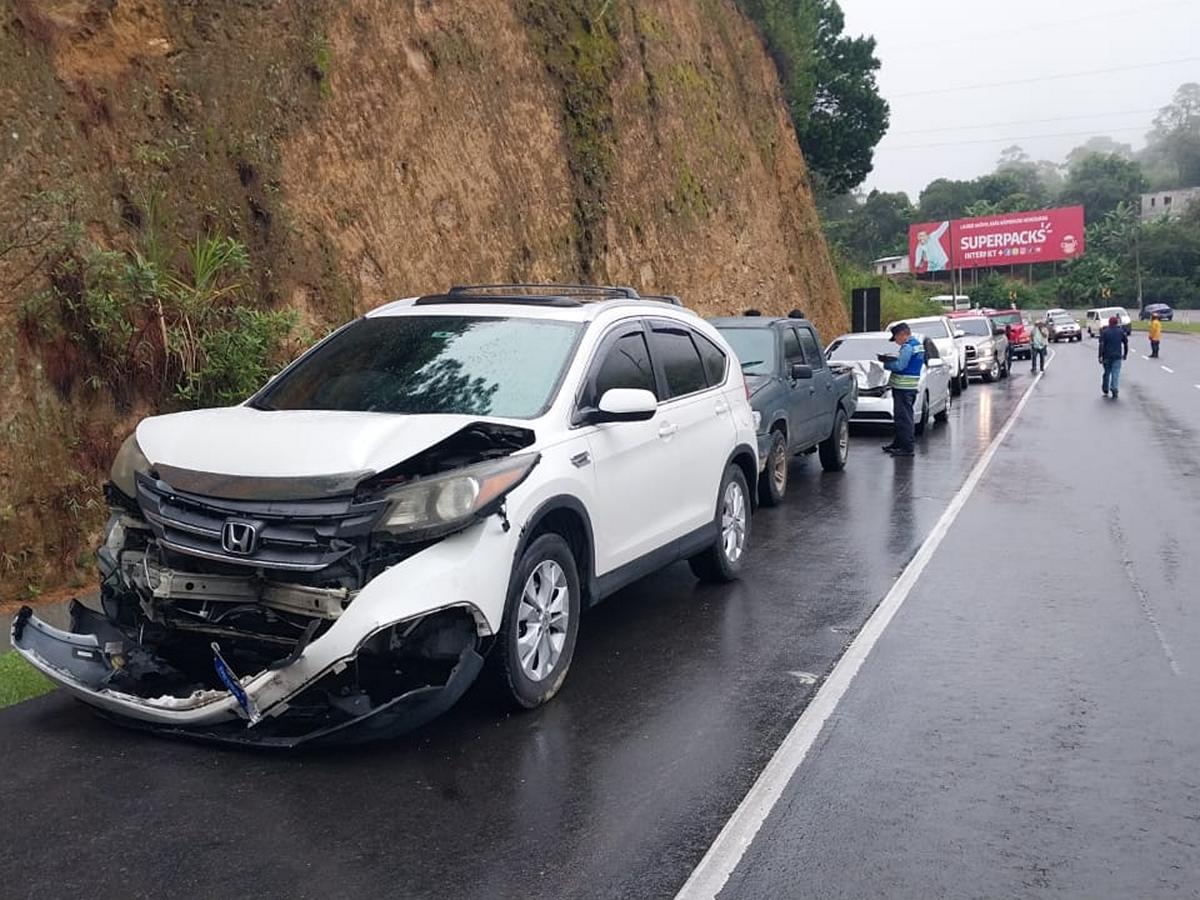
(20, 681)
(1170, 327)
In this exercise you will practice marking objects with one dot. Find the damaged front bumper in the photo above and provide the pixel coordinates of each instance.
(310, 699)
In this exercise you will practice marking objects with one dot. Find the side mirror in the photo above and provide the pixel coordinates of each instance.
(625, 405)
(801, 371)
(935, 363)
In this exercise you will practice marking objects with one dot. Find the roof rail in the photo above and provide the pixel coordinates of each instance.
(664, 298)
(536, 294)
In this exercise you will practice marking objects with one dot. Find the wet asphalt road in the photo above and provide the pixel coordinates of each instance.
(678, 696)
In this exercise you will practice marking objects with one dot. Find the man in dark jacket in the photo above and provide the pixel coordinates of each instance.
(1114, 348)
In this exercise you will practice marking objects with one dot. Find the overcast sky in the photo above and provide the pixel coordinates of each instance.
(930, 47)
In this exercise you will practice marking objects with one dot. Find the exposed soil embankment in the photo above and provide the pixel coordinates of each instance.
(357, 152)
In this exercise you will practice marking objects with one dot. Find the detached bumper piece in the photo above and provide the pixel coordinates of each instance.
(402, 678)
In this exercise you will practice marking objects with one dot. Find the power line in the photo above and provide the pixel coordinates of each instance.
(1130, 112)
(1039, 79)
(1007, 140)
(1042, 27)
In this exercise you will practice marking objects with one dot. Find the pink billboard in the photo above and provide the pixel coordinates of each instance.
(1006, 239)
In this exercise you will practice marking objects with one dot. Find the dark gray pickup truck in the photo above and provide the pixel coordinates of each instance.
(800, 404)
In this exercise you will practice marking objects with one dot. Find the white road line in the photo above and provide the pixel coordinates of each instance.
(713, 871)
(1165, 369)
(1144, 356)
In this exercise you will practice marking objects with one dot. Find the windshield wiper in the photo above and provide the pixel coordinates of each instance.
(753, 362)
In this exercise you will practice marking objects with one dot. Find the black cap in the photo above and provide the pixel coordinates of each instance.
(899, 327)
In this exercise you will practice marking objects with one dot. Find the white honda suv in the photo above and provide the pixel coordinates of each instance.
(448, 478)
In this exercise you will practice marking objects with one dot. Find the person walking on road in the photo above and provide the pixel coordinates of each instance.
(1155, 335)
(1114, 349)
(1037, 346)
(906, 378)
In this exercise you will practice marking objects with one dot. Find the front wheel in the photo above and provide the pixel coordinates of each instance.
(835, 449)
(923, 422)
(944, 415)
(772, 483)
(992, 373)
(722, 561)
(541, 623)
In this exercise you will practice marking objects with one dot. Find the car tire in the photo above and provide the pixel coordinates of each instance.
(835, 449)
(944, 415)
(772, 483)
(544, 589)
(722, 562)
(923, 424)
(956, 385)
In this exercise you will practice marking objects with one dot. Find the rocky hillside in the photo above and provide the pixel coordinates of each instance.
(193, 189)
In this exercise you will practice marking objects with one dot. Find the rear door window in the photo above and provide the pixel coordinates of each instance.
(681, 363)
(791, 347)
(713, 358)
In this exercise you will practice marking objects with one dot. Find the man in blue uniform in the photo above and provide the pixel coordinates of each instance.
(906, 379)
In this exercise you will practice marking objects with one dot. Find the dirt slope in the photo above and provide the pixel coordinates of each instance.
(366, 150)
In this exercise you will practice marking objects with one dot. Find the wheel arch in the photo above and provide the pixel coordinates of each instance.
(567, 517)
(744, 457)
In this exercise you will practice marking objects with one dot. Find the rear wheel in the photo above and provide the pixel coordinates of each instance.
(723, 560)
(541, 623)
(835, 449)
(956, 385)
(772, 483)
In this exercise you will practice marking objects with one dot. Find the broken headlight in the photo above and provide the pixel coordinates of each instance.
(130, 460)
(441, 504)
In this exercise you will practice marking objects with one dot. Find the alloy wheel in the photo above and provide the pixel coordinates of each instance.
(843, 441)
(733, 522)
(779, 472)
(542, 619)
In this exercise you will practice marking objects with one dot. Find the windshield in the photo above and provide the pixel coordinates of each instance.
(1012, 318)
(1062, 319)
(755, 348)
(466, 365)
(976, 327)
(856, 348)
(934, 328)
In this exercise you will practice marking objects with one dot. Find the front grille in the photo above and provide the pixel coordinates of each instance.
(296, 535)
(875, 416)
(972, 352)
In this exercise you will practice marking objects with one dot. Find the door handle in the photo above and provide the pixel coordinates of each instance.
(721, 408)
(666, 430)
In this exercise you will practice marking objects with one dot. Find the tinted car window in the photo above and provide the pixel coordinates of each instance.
(713, 358)
(626, 365)
(680, 361)
(855, 348)
(755, 348)
(977, 327)
(791, 347)
(468, 365)
(934, 328)
(812, 353)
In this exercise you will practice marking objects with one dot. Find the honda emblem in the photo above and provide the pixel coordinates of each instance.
(239, 537)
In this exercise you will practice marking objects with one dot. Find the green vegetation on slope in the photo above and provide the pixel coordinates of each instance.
(19, 680)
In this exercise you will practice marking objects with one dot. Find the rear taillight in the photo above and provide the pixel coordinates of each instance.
(746, 385)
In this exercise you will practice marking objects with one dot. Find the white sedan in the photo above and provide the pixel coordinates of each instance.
(859, 352)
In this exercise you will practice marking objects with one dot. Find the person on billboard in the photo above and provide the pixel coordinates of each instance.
(930, 255)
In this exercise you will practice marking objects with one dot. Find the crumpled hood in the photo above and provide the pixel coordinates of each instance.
(869, 373)
(243, 441)
(757, 382)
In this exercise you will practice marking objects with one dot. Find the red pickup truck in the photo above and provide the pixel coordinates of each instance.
(1019, 338)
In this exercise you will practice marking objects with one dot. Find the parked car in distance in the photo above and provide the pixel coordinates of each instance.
(940, 330)
(446, 478)
(1021, 340)
(1051, 313)
(984, 346)
(1096, 319)
(801, 405)
(860, 351)
(1164, 312)
(1063, 327)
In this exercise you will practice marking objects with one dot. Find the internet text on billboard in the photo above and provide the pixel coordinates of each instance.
(1023, 237)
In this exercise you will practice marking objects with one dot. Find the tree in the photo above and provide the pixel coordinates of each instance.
(829, 84)
(878, 227)
(1100, 144)
(1101, 182)
(944, 198)
(1174, 144)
